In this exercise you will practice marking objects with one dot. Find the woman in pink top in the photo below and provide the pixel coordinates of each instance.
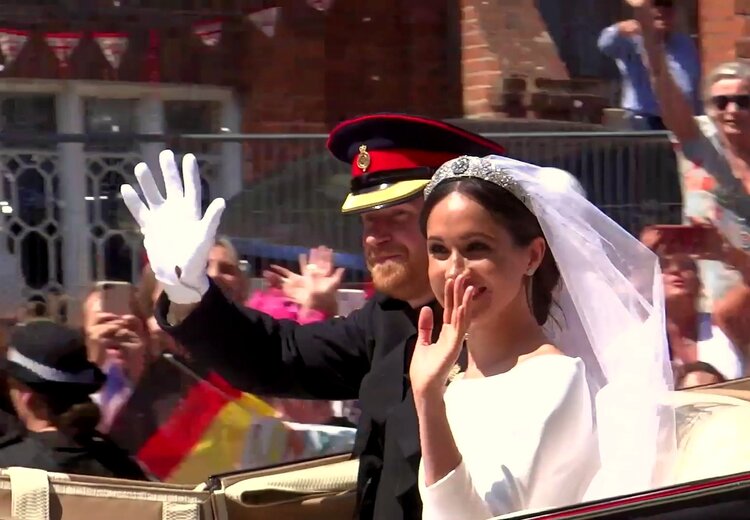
(274, 302)
(305, 298)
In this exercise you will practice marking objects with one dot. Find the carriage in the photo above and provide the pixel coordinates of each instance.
(711, 474)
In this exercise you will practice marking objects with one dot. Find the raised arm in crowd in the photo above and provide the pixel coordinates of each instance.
(715, 172)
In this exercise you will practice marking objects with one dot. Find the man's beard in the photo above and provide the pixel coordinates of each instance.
(401, 279)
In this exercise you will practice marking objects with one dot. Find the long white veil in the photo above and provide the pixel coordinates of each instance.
(609, 312)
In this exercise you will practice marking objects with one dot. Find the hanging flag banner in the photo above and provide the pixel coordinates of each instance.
(12, 42)
(153, 64)
(113, 46)
(265, 20)
(63, 45)
(209, 32)
(320, 5)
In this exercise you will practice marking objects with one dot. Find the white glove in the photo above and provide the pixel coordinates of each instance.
(176, 239)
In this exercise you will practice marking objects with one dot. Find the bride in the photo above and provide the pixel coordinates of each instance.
(562, 314)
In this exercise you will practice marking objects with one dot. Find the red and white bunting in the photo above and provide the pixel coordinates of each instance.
(320, 5)
(12, 42)
(265, 20)
(113, 46)
(209, 32)
(63, 45)
(153, 56)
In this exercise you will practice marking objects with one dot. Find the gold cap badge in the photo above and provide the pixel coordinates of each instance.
(363, 159)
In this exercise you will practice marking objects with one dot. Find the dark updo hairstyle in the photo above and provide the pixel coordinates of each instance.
(520, 223)
(76, 416)
(72, 413)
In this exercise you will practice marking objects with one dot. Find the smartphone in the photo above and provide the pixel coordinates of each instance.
(350, 300)
(683, 239)
(116, 297)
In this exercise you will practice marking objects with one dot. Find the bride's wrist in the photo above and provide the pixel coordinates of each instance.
(427, 398)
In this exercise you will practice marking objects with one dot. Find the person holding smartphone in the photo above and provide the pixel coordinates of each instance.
(117, 342)
(713, 151)
(694, 334)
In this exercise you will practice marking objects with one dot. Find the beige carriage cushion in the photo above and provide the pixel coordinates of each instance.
(324, 489)
(31, 494)
(713, 432)
(240, 476)
(736, 393)
(318, 480)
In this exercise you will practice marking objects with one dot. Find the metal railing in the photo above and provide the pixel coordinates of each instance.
(292, 192)
(293, 188)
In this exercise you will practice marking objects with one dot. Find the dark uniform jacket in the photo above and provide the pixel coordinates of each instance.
(55, 452)
(365, 355)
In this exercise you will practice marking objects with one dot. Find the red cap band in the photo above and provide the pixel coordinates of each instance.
(375, 161)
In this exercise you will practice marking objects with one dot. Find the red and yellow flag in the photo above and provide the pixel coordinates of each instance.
(184, 429)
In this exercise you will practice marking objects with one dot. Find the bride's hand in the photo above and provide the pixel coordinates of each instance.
(432, 362)
(176, 238)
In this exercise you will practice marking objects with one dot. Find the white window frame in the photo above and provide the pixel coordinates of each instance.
(69, 98)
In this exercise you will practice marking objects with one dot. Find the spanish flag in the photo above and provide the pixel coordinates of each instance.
(184, 427)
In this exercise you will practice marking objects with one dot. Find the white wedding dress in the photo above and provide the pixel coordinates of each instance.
(526, 438)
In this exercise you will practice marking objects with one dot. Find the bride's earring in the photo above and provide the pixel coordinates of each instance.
(529, 283)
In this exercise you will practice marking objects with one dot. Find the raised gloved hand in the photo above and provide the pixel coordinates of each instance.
(176, 238)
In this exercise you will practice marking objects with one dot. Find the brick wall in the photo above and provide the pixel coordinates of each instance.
(359, 57)
(723, 32)
(527, 59)
(503, 40)
(283, 77)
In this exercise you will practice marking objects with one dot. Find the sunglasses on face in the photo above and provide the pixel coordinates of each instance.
(741, 100)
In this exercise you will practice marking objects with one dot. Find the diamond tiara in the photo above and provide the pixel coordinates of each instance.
(479, 168)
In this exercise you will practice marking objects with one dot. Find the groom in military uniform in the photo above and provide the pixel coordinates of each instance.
(366, 355)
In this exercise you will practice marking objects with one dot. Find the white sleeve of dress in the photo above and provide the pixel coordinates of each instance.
(567, 453)
(453, 496)
(537, 463)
